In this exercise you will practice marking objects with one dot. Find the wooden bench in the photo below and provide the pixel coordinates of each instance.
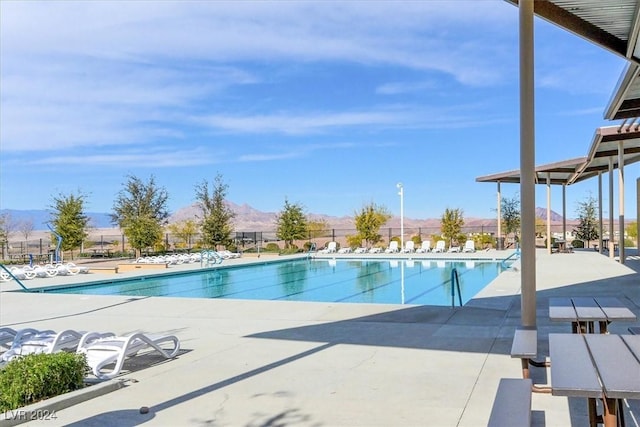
(112, 270)
(512, 404)
(134, 266)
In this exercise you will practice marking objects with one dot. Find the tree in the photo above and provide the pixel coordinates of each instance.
(6, 228)
(451, 224)
(216, 218)
(510, 208)
(184, 230)
(631, 230)
(291, 223)
(368, 222)
(26, 228)
(140, 210)
(587, 228)
(69, 220)
(317, 228)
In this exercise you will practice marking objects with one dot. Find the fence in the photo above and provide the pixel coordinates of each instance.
(117, 245)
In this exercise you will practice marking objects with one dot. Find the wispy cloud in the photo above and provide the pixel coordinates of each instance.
(104, 73)
(124, 159)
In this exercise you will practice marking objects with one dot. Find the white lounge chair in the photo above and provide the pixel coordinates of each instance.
(440, 246)
(104, 352)
(469, 246)
(393, 247)
(331, 248)
(8, 336)
(22, 273)
(409, 247)
(30, 341)
(47, 270)
(375, 250)
(346, 250)
(360, 251)
(424, 247)
(454, 249)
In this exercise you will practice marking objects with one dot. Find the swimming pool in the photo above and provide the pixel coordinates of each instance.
(421, 282)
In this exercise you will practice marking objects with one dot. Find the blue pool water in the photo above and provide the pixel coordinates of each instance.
(357, 281)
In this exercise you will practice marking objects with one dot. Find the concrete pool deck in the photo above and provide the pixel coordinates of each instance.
(268, 363)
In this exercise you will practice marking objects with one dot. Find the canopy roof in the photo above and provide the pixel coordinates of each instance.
(611, 24)
(604, 148)
(560, 173)
(625, 101)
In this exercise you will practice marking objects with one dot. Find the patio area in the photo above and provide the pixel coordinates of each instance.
(259, 363)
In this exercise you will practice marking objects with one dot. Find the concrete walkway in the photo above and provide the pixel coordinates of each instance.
(270, 363)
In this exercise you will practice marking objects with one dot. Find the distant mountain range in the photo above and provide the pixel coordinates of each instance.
(250, 219)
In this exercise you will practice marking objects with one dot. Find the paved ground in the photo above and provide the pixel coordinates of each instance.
(266, 363)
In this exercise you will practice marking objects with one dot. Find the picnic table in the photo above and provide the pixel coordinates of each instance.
(584, 312)
(101, 253)
(596, 366)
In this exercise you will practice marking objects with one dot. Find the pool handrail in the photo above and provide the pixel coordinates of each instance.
(455, 284)
(15, 278)
(513, 255)
(207, 254)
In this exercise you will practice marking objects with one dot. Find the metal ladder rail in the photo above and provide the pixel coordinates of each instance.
(513, 255)
(206, 255)
(15, 278)
(455, 284)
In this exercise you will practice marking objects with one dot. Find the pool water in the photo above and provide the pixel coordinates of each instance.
(418, 282)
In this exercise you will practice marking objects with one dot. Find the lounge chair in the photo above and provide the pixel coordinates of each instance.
(424, 247)
(22, 273)
(228, 254)
(409, 247)
(346, 250)
(454, 249)
(45, 270)
(331, 248)
(30, 341)
(8, 336)
(469, 246)
(360, 251)
(393, 247)
(440, 246)
(375, 250)
(113, 350)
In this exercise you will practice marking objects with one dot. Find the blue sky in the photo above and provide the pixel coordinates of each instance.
(327, 104)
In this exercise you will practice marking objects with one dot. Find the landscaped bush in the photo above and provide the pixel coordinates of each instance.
(577, 244)
(35, 377)
(272, 247)
(293, 249)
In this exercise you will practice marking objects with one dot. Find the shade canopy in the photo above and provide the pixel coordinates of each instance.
(604, 149)
(625, 101)
(611, 24)
(559, 172)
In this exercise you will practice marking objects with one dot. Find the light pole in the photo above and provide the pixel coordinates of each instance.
(401, 193)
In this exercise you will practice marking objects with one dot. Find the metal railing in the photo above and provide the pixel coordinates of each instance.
(455, 285)
(11, 275)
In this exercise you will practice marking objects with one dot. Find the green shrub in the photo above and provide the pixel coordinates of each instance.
(29, 379)
(272, 247)
(577, 244)
(293, 249)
